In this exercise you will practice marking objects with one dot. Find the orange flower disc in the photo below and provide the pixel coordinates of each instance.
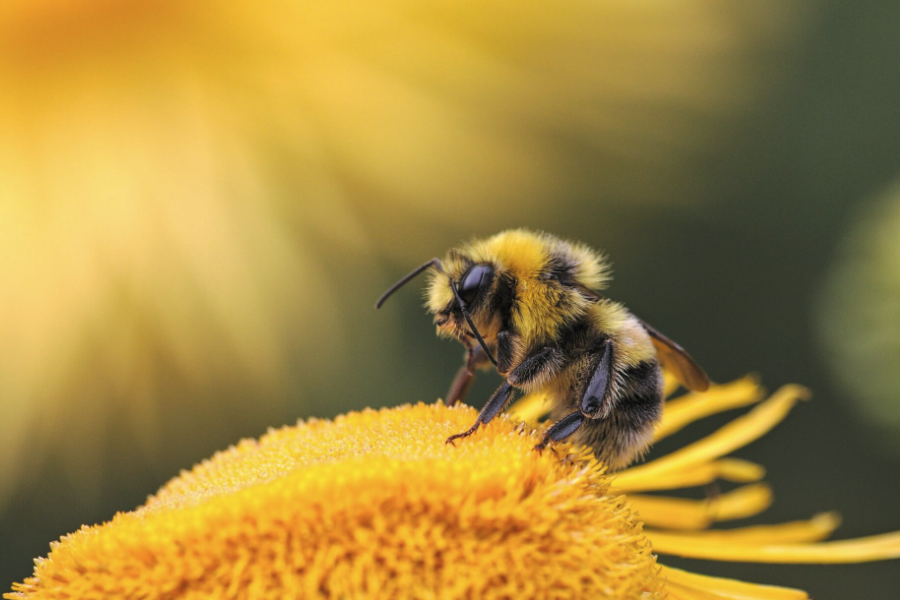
(373, 504)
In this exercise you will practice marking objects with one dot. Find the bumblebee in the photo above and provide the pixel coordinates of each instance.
(530, 305)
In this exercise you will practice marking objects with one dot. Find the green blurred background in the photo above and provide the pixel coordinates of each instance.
(199, 203)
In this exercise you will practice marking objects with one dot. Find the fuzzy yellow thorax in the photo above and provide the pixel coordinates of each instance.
(524, 256)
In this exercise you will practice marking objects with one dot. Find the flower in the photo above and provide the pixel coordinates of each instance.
(859, 317)
(375, 504)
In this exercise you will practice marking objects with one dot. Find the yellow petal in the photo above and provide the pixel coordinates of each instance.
(694, 406)
(679, 513)
(670, 383)
(876, 547)
(686, 585)
(530, 407)
(736, 434)
(729, 469)
(816, 529)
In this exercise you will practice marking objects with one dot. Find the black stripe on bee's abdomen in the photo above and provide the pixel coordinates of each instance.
(640, 395)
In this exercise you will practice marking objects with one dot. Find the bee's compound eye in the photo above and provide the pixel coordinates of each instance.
(471, 282)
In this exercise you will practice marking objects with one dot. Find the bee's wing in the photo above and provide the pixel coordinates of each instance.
(676, 359)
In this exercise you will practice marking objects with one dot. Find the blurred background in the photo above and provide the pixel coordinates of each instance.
(200, 202)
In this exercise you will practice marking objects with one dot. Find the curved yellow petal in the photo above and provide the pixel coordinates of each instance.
(694, 406)
(865, 549)
(816, 529)
(530, 407)
(683, 584)
(677, 593)
(679, 513)
(736, 434)
(729, 469)
(670, 383)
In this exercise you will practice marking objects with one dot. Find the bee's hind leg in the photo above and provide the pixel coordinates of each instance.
(562, 429)
(494, 405)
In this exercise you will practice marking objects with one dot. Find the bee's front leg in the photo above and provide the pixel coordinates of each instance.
(493, 407)
(541, 364)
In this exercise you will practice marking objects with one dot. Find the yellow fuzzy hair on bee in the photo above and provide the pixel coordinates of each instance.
(526, 256)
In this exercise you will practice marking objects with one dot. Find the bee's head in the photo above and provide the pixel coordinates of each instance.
(530, 283)
(466, 293)
(475, 302)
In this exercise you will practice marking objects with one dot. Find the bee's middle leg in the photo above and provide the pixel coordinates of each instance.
(494, 405)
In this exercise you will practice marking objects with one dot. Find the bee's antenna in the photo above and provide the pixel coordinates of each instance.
(462, 307)
(436, 263)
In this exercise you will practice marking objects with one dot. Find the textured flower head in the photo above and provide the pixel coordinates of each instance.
(376, 505)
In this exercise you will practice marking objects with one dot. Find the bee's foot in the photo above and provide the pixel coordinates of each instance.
(464, 434)
(713, 492)
(543, 446)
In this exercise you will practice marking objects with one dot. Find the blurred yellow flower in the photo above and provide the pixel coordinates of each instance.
(377, 505)
(859, 317)
(175, 176)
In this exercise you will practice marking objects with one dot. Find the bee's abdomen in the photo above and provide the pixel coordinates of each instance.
(627, 432)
